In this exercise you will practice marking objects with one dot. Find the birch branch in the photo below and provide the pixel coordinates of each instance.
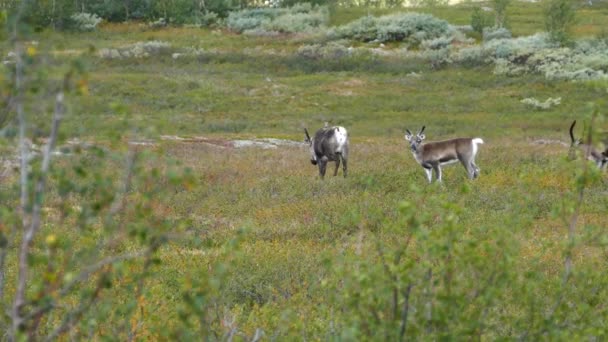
(35, 219)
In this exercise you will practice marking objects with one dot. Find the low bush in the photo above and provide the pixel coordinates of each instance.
(492, 50)
(208, 19)
(137, 50)
(559, 17)
(437, 43)
(586, 60)
(328, 51)
(297, 22)
(536, 104)
(409, 27)
(481, 20)
(158, 23)
(85, 21)
(299, 18)
(491, 33)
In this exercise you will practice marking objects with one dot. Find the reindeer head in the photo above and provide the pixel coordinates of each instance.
(415, 140)
(313, 155)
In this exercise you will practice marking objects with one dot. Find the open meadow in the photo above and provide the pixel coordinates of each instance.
(166, 154)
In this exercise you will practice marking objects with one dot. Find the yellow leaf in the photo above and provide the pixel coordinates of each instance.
(31, 51)
(83, 87)
(51, 240)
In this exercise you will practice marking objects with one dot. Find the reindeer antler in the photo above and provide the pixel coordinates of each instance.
(571, 133)
(307, 136)
(422, 130)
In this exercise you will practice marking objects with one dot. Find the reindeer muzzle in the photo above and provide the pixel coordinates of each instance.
(313, 162)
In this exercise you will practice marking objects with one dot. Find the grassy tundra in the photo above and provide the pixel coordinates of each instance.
(262, 247)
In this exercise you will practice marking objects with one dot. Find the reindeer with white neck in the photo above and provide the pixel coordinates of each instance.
(329, 144)
(432, 155)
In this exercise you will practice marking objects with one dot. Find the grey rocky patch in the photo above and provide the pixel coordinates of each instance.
(263, 143)
(142, 143)
(267, 143)
(549, 142)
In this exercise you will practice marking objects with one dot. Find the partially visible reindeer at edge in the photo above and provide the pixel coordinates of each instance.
(591, 153)
(432, 155)
(329, 144)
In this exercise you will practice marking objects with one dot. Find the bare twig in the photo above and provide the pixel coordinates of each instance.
(572, 225)
(5, 112)
(87, 272)
(3, 252)
(140, 284)
(404, 313)
(258, 335)
(84, 275)
(72, 317)
(428, 306)
(120, 200)
(24, 154)
(35, 217)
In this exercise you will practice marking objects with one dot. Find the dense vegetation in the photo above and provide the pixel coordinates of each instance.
(156, 224)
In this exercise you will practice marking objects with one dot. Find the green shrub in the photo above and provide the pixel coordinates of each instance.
(480, 20)
(118, 11)
(329, 51)
(85, 21)
(363, 29)
(437, 43)
(559, 17)
(297, 22)
(414, 26)
(411, 27)
(137, 50)
(490, 33)
(586, 60)
(299, 18)
(208, 19)
(500, 9)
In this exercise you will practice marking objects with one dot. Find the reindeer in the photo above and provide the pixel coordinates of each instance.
(432, 155)
(329, 144)
(591, 153)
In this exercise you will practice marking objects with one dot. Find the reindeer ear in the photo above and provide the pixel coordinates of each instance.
(408, 135)
(421, 136)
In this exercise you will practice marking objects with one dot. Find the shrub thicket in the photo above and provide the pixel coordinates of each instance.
(299, 18)
(58, 14)
(409, 27)
(85, 21)
(137, 50)
(500, 10)
(490, 33)
(559, 17)
(480, 20)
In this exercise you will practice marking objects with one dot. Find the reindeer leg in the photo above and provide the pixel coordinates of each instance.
(344, 168)
(437, 169)
(322, 167)
(471, 170)
(476, 169)
(429, 174)
(469, 165)
(337, 166)
(439, 173)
